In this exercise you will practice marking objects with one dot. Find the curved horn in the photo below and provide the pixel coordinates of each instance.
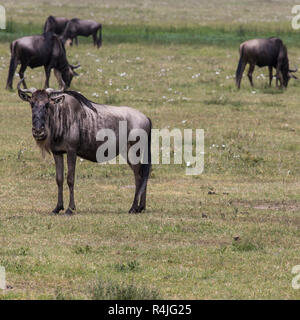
(74, 67)
(31, 90)
(293, 70)
(51, 91)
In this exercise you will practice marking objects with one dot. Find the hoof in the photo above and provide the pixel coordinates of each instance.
(133, 210)
(69, 212)
(141, 209)
(56, 210)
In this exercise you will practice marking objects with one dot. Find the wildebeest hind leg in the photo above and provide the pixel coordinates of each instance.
(250, 71)
(59, 164)
(138, 181)
(239, 73)
(144, 173)
(12, 69)
(142, 205)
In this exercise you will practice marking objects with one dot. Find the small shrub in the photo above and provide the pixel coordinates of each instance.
(22, 251)
(59, 295)
(82, 249)
(251, 159)
(129, 266)
(245, 245)
(109, 290)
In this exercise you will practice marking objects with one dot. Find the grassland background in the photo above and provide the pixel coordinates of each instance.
(179, 60)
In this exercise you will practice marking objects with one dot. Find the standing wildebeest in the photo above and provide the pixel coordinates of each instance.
(44, 50)
(269, 52)
(68, 123)
(56, 25)
(77, 27)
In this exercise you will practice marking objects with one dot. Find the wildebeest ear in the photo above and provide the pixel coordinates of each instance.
(75, 74)
(58, 99)
(293, 76)
(24, 96)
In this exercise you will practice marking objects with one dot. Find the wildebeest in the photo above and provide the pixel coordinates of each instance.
(269, 52)
(77, 27)
(41, 50)
(67, 122)
(56, 25)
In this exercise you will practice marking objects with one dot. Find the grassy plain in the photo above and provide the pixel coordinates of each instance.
(179, 70)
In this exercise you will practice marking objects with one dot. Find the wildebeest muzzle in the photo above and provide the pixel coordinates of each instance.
(39, 134)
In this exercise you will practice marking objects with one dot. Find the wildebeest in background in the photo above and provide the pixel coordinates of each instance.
(42, 50)
(77, 27)
(269, 52)
(68, 123)
(56, 25)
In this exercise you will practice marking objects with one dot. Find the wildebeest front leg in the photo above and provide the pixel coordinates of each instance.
(71, 160)
(59, 164)
(47, 72)
(95, 37)
(59, 79)
(279, 77)
(270, 75)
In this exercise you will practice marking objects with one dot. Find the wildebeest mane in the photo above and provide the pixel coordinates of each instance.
(82, 99)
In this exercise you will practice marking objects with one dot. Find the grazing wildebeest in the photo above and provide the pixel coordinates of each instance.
(69, 122)
(77, 27)
(42, 50)
(56, 25)
(269, 52)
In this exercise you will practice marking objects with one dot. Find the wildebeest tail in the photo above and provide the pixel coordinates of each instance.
(239, 67)
(99, 41)
(12, 66)
(146, 167)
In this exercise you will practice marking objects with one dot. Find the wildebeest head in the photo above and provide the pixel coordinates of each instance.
(68, 74)
(286, 71)
(40, 101)
(287, 75)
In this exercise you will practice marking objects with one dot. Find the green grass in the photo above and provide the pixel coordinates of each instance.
(207, 35)
(183, 246)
